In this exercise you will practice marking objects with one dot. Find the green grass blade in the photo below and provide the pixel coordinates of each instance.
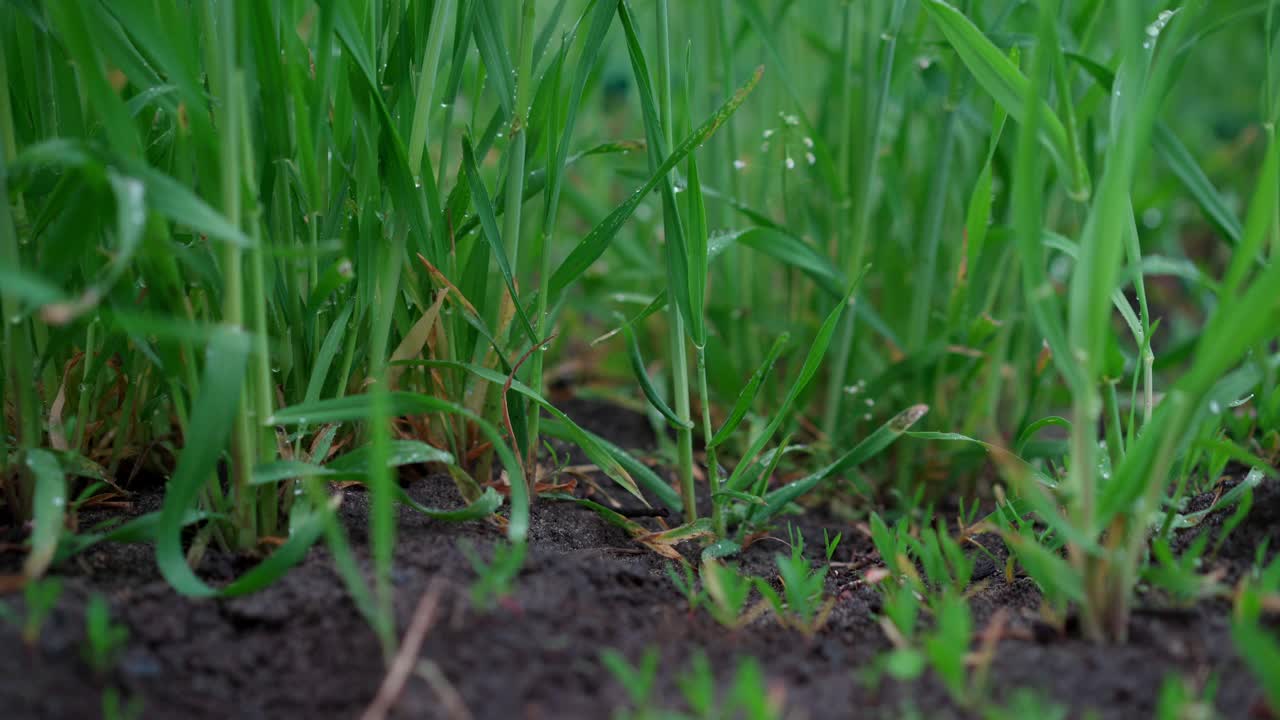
(360, 408)
(597, 241)
(48, 509)
(1006, 84)
(748, 395)
(489, 226)
(872, 445)
(813, 360)
(646, 385)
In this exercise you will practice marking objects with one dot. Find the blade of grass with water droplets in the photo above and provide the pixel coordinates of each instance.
(48, 509)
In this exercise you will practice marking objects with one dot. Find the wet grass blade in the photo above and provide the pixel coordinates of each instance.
(646, 385)
(211, 420)
(594, 452)
(489, 227)
(591, 247)
(813, 360)
(872, 445)
(48, 509)
(359, 408)
(1006, 84)
(643, 475)
(747, 397)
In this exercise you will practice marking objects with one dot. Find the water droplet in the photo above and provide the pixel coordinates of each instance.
(739, 164)
(808, 142)
(768, 133)
(791, 164)
(809, 157)
(1215, 407)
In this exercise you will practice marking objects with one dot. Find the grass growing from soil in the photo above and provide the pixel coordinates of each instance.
(889, 258)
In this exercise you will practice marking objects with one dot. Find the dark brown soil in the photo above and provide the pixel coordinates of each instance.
(299, 649)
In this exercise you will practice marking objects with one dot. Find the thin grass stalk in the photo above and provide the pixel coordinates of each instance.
(540, 318)
(676, 329)
(260, 383)
(19, 385)
(225, 82)
(862, 181)
(516, 171)
(741, 282)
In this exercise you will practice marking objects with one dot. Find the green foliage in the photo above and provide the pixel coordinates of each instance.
(254, 233)
(39, 597)
(802, 604)
(104, 639)
(747, 697)
(726, 592)
(496, 576)
(1256, 643)
(1180, 575)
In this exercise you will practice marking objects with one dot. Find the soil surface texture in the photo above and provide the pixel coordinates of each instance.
(300, 649)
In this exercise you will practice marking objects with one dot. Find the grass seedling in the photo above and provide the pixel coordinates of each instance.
(685, 581)
(39, 597)
(748, 697)
(727, 592)
(104, 639)
(801, 605)
(1180, 575)
(1256, 643)
(495, 577)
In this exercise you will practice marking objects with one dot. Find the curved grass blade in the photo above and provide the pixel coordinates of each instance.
(211, 420)
(593, 450)
(48, 508)
(812, 361)
(748, 394)
(644, 477)
(646, 385)
(360, 407)
(1030, 431)
(1006, 84)
(484, 506)
(872, 445)
(399, 452)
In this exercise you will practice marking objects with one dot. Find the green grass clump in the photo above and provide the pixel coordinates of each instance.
(256, 248)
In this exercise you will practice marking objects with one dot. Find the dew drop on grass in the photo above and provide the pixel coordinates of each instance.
(1215, 407)
(739, 164)
(791, 164)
